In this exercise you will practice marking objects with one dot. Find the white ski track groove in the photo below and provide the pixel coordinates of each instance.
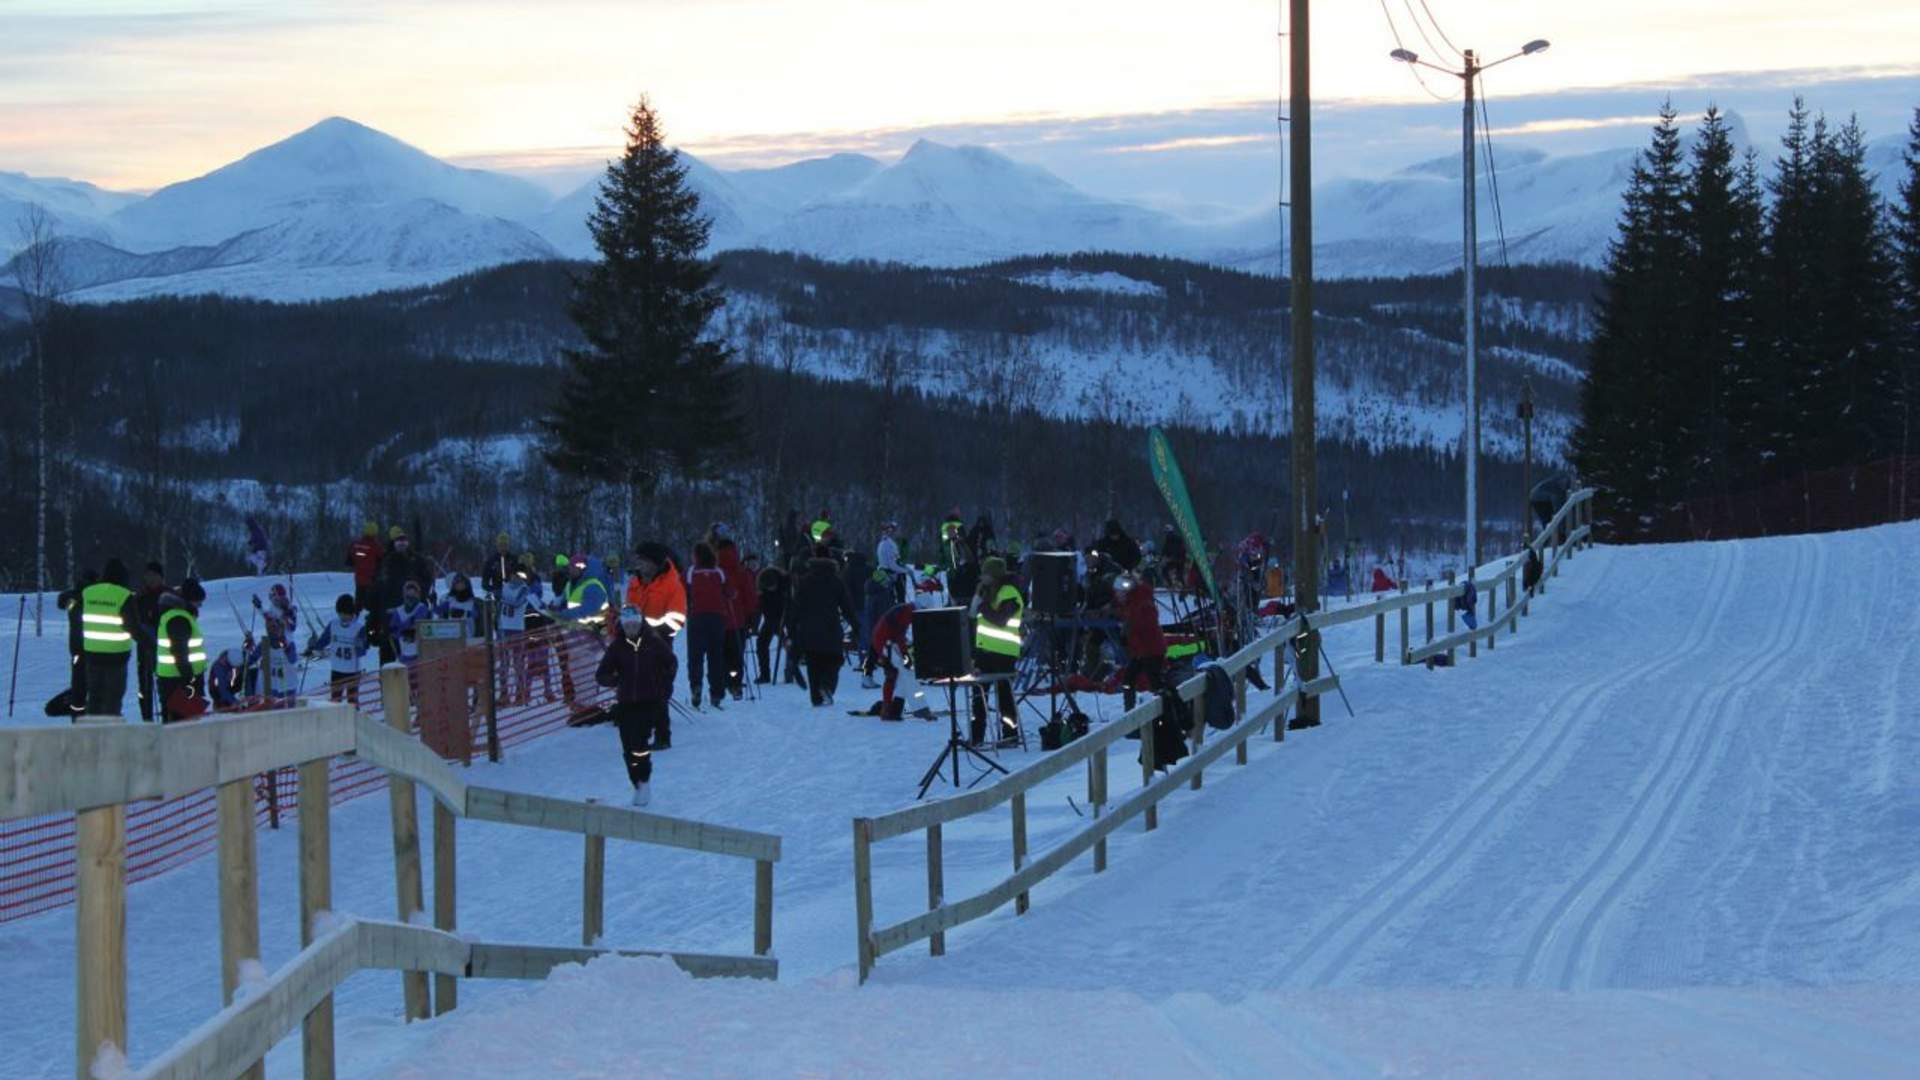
(1697, 740)
(1394, 892)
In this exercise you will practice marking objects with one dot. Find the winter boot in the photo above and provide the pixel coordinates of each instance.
(868, 682)
(696, 700)
(642, 794)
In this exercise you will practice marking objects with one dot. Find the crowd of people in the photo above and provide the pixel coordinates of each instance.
(814, 606)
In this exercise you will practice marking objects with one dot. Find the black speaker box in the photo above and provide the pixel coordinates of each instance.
(942, 643)
(1050, 577)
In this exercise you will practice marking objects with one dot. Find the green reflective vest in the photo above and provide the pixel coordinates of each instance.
(989, 636)
(576, 596)
(166, 667)
(102, 632)
(819, 529)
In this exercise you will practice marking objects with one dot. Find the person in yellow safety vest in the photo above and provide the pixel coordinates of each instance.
(584, 603)
(109, 626)
(181, 655)
(998, 607)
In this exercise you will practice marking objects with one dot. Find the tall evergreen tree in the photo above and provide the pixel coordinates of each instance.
(1906, 241)
(650, 395)
(1792, 260)
(1722, 227)
(1852, 382)
(1626, 441)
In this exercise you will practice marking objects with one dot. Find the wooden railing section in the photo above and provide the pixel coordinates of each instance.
(94, 769)
(1570, 528)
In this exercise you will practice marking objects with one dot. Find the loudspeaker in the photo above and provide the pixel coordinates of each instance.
(942, 643)
(1050, 576)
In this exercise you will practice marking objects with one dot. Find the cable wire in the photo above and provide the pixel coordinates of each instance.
(1401, 45)
(1442, 33)
(1432, 49)
(1493, 173)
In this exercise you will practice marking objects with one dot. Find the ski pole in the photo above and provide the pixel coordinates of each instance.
(13, 684)
(1305, 625)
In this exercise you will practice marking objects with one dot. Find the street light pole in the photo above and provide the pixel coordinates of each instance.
(1469, 264)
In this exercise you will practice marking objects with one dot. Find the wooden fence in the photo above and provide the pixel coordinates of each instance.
(1569, 529)
(94, 770)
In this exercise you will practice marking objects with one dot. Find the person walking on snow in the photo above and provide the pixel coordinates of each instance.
(639, 667)
(743, 601)
(819, 606)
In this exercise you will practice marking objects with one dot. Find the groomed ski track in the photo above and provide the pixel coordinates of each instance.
(1671, 828)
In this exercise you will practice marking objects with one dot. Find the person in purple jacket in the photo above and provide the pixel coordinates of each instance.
(639, 667)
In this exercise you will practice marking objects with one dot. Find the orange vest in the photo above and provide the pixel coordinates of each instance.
(662, 601)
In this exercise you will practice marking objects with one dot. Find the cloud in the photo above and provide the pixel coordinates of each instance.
(1189, 142)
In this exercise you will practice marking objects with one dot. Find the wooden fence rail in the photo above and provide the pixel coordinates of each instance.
(1566, 531)
(93, 770)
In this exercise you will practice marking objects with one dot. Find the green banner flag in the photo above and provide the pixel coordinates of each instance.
(1173, 488)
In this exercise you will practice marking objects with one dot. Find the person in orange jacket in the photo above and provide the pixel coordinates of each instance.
(655, 589)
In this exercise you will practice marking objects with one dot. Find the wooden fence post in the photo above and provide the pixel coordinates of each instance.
(762, 907)
(100, 930)
(593, 890)
(1019, 845)
(1404, 619)
(316, 896)
(863, 892)
(1450, 615)
(1240, 712)
(936, 886)
(1097, 795)
(396, 700)
(446, 988)
(1199, 733)
(1147, 754)
(1380, 638)
(239, 892)
(1493, 629)
(1429, 606)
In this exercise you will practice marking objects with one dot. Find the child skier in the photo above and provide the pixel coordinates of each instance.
(460, 603)
(344, 641)
(403, 623)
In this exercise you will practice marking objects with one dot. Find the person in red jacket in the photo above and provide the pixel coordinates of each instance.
(363, 556)
(743, 595)
(709, 604)
(1146, 641)
(890, 633)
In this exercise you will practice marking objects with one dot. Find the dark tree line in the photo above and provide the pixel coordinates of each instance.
(1751, 329)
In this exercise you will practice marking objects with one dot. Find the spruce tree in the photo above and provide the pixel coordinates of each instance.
(1722, 228)
(1906, 241)
(1753, 379)
(650, 395)
(1792, 260)
(1853, 383)
(1629, 438)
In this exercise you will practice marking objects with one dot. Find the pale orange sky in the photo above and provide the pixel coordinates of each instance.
(137, 93)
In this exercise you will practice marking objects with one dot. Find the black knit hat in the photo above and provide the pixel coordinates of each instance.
(191, 592)
(156, 569)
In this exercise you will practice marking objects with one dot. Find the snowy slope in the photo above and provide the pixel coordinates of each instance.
(1634, 840)
(789, 187)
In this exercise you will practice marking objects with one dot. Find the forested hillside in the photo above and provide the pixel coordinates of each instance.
(1020, 390)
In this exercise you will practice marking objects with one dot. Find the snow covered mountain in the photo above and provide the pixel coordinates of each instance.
(341, 208)
(72, 207)
(334, 166)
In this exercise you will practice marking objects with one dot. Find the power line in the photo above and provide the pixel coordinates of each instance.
(1401, 45)
(1442, 33)
(1432, 49)
(1493, 173)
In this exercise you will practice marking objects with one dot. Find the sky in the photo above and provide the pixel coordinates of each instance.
(1165, 101)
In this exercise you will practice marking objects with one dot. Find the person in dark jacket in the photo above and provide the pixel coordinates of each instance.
(69, 602)
(743, 604)
(153, 585)
(1115, 544)
(981, 540)
(771, 584)
(639, 667)
(1173, 559)
(998, 607)
(400, 565)
(709, 600)
(820, 605)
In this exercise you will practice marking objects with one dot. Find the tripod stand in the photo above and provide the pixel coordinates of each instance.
(1293, 645)
(956, 746)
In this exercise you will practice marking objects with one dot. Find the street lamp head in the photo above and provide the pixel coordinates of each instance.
(1534, 46)
(1406, 57)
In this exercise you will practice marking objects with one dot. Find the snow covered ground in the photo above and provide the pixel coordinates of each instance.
(1668, 830)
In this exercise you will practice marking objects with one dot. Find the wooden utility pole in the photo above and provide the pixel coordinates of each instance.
(1306, 560)
(1526, 468)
